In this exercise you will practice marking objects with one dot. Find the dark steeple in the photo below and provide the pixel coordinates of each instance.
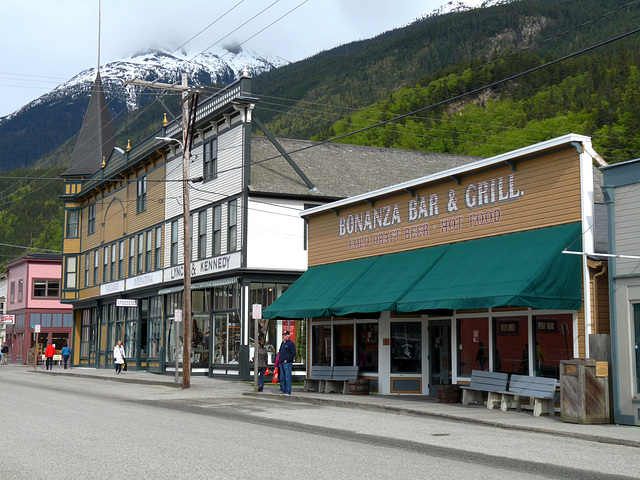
(96, 139)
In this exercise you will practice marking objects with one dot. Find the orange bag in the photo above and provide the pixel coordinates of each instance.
(266, 372)
(275, 376)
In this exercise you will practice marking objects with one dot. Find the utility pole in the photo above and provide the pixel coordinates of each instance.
(187, 125)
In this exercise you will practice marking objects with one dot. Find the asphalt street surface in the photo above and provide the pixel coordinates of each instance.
(61, 426)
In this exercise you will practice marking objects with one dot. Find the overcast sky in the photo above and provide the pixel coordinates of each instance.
(46, 42)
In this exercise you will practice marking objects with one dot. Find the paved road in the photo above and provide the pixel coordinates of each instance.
(89, 428)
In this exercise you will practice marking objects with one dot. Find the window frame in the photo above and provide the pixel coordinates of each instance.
(202, 235)
(141, 194)
(55, 287)
(132, 256)
(87, 265)
(105, 264)
(71, 273)
(148, 251)
(96, 267)
(91, 219)
(120, 259)
(232, 226)
(210, 160)
(216, 239)
(72, 225)
(173, 260)
(140, 257)
(114, 259)
(158, 249)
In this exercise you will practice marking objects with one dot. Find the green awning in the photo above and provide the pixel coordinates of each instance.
(317, 289)
(388, 279)
(524, 269)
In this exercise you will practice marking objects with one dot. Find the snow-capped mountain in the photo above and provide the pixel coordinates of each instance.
(164, 67)
(455, 6)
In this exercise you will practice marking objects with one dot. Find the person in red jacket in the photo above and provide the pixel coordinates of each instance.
(49, 352)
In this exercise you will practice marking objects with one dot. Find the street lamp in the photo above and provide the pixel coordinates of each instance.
(186, 314)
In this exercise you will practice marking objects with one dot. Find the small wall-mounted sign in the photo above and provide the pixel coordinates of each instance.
(126, 302)
(602, 369)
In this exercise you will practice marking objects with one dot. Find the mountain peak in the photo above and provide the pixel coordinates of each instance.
(153, 64)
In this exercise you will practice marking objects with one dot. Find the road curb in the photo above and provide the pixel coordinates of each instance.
(109, 379)
(389, 408)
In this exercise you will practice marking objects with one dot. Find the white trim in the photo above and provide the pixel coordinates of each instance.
(608, 255)
(588, 237)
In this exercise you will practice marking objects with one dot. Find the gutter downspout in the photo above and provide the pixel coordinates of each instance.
(603, 269)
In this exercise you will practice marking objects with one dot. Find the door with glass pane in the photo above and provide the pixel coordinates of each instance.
(439, 355)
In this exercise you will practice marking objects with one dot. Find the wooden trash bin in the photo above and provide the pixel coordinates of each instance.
(449, 393)
(360, 386)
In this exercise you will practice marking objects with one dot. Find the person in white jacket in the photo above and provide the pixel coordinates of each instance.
(118, 357)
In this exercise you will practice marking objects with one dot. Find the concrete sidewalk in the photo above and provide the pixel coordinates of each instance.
(414, 405)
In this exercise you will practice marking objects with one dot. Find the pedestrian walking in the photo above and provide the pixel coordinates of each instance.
(287, 356)
(66, 352)
(261, 357)
(4, 350)
(118, 357)
(49, 352)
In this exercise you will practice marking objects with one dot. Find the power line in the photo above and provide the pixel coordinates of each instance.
(30, 248)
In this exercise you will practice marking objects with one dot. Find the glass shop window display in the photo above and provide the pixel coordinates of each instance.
(226, 325)
(200, 334)
(174, 330)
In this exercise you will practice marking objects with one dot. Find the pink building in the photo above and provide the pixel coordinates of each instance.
(33, 296)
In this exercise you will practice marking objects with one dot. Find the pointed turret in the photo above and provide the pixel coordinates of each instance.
(96, 139)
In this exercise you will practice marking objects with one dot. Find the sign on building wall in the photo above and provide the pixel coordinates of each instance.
(209, 266)
(540, 192)
(7, 319)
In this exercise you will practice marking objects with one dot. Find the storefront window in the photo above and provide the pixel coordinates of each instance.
(227, 338)
(84, 333)
(473, 345)
(155, 327)
(265, 294)
(367, 337)
(130, 334)
(343, 343)
(406, 347)
(174, 329)
(553, 342)
(201, 308)
(511, 353)
(321, 351)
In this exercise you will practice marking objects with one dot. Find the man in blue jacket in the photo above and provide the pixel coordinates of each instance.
(287, 356)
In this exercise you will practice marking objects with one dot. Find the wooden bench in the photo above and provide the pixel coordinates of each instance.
(325, 379)
(481, 381)
(340, 379)
(540, 390)
(57, 359)
(316, 381)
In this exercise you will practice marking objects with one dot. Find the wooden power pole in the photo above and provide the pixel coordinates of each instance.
(186, 153)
